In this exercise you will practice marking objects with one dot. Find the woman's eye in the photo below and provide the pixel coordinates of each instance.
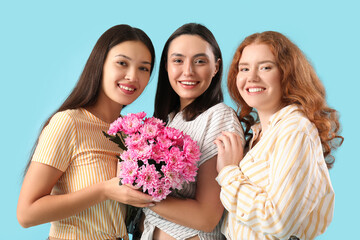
(243, 69)
(266, 68)
(200, 61)
(122, 63)
(177, 60)
(145, 69)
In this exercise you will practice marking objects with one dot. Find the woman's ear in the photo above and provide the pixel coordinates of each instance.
(217, 66)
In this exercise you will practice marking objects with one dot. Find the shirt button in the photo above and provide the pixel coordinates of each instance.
(242, 215)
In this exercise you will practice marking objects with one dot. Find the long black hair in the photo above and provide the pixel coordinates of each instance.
(86, 90)
(166, 99)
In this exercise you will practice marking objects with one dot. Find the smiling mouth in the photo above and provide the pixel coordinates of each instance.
(254, 90)
(189, 83)
(126, 88)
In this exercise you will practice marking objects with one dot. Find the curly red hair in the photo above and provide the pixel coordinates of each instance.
(300, 85)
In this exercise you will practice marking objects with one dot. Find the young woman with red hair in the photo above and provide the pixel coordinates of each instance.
(278, 187)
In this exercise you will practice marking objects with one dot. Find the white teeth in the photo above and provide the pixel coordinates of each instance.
(252, 90)
(189, 83)
(127, 88)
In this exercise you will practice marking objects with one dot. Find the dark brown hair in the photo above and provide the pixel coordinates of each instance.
(86, 90)
(166, 99)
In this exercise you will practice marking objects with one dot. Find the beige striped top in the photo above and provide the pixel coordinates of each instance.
(281, 186)
(73, 143)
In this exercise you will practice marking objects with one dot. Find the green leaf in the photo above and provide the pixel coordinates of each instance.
(119, 140)
(119, 158)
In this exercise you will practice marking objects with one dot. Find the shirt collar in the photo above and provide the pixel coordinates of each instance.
(276, 117)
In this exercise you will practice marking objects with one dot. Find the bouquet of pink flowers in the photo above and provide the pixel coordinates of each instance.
(156, 158)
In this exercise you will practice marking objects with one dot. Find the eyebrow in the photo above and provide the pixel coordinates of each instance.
(129, 58)
(262, 62)
(195, 56)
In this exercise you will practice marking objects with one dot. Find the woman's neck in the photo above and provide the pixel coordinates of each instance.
(108, 113)
(184, 103)
(265, 116)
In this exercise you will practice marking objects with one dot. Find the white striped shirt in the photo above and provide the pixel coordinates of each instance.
(204, 129)
(73, 143)
(282, 185)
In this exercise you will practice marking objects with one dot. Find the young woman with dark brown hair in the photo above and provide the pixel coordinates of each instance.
(70, 180)
(189, 98)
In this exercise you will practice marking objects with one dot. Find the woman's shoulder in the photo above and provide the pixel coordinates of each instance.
(298, 119)
(297, 123)
(73, 112)
(67, 117)
(222, 106)
(220, 109)
(61, 126)
(223, 117)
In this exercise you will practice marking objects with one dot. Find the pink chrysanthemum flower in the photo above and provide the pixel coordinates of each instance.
(155, 121)
(134, 140)
(127, 156)
(172, 177)
(141, 151)
(164, 142)
(189, 173)
(161, 190)
(173, 133)
(115, 126)
(174, 155)
(128, 172)
(149, 131)
(131, 124)
(167, 157)
(157, 153)
(147, 177)
(191, 149)
(139, 115)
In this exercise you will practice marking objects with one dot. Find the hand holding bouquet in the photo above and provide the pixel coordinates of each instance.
(156, 158)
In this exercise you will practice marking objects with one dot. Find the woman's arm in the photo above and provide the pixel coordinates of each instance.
(295, 187)
(202, 213)
(37, 206)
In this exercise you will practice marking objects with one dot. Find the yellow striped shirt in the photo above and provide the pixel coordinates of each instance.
(281, 186)
(73, 143)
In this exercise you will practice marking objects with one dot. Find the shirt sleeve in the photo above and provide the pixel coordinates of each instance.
(57, 142)
(294, 189)
(221, 119)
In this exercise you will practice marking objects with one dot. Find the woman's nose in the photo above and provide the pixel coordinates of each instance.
(131, 74)
(188, 68)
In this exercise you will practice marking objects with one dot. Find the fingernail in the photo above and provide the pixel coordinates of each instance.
(151, 205)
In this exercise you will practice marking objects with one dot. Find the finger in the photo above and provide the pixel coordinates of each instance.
(219, 143)
(219, 138)
(137, 192)
(143, 197)
(220, 146)
(136, 196)
(133, 187)
(234, 138)
(148, 205)
(225, 141)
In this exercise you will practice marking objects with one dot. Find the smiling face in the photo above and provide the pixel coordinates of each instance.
(191, 66)
(126, 73)
(258, 79)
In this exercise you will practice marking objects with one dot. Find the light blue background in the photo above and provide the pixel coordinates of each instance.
(44, 46)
